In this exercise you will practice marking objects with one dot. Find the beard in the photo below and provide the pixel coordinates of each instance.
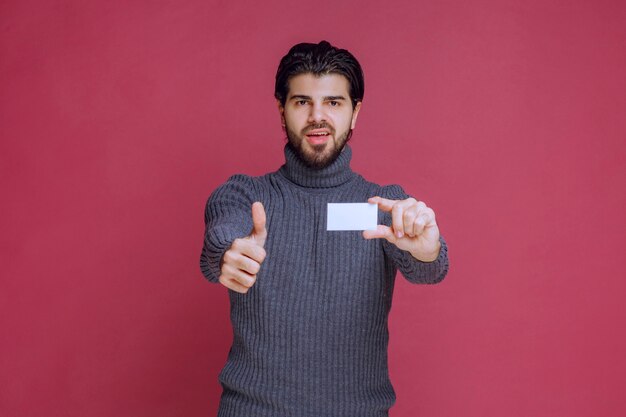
(317, 156)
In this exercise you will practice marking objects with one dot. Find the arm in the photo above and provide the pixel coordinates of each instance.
(419, 251)
(416, 271)
(227, 217)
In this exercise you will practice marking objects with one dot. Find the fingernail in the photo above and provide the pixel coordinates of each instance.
(399, 233)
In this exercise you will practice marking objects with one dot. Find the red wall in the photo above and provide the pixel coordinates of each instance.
(118, 119)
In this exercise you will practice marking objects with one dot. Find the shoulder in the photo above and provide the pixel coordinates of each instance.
(242, 182)
(389, 191)
(237, 185)
(241, 179)
(393, 192)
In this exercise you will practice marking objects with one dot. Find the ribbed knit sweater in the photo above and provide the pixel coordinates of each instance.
(311, 335)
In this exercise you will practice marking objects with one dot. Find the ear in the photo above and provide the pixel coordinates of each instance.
(355, 114)
(281, 110)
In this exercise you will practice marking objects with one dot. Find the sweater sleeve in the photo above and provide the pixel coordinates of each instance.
(414, 270)
(228, 216)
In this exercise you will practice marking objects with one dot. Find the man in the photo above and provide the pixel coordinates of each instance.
(309, 307)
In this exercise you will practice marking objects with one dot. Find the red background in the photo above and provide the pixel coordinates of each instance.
(118, 118)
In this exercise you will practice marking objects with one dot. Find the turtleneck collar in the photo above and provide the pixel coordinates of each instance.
(333, 175)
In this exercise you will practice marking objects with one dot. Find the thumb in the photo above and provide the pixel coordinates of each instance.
(258, 220)
(381, 231)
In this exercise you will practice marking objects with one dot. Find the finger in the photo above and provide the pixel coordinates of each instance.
(381, 231)
(233, 285)
(235, 259)
(383, 203)
(418, 226)
(397, 224)
(252, 249)
(408, 220)
(242, 277)
(249, 265)
(423, 220)
(258, 221)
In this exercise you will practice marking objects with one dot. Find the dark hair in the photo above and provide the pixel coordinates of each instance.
(319, 59)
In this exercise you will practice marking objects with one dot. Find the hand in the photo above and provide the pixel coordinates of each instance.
(413, 228)
(242, 261)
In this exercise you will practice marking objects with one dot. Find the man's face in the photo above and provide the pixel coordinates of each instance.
(318, 117)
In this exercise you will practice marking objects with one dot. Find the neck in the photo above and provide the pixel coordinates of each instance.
(333, 175)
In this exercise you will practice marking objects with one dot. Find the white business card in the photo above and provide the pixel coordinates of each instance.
(352, 216)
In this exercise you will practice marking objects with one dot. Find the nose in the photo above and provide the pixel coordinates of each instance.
(316, 114)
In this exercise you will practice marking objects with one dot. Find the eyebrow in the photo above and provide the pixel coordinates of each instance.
(326, 98)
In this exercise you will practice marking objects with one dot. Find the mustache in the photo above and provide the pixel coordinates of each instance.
(319, 126)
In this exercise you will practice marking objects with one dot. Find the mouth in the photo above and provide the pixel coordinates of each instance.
(318, 136)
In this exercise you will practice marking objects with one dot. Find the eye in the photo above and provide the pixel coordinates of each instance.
(334, 103)
(301, 102)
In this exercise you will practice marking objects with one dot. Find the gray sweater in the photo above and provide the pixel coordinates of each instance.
(310, 336)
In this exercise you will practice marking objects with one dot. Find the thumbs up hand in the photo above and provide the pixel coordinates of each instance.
(243, 260)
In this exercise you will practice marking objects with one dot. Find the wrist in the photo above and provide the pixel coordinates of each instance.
(429, 256)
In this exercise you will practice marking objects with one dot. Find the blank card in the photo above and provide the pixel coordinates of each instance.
(352, 216)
